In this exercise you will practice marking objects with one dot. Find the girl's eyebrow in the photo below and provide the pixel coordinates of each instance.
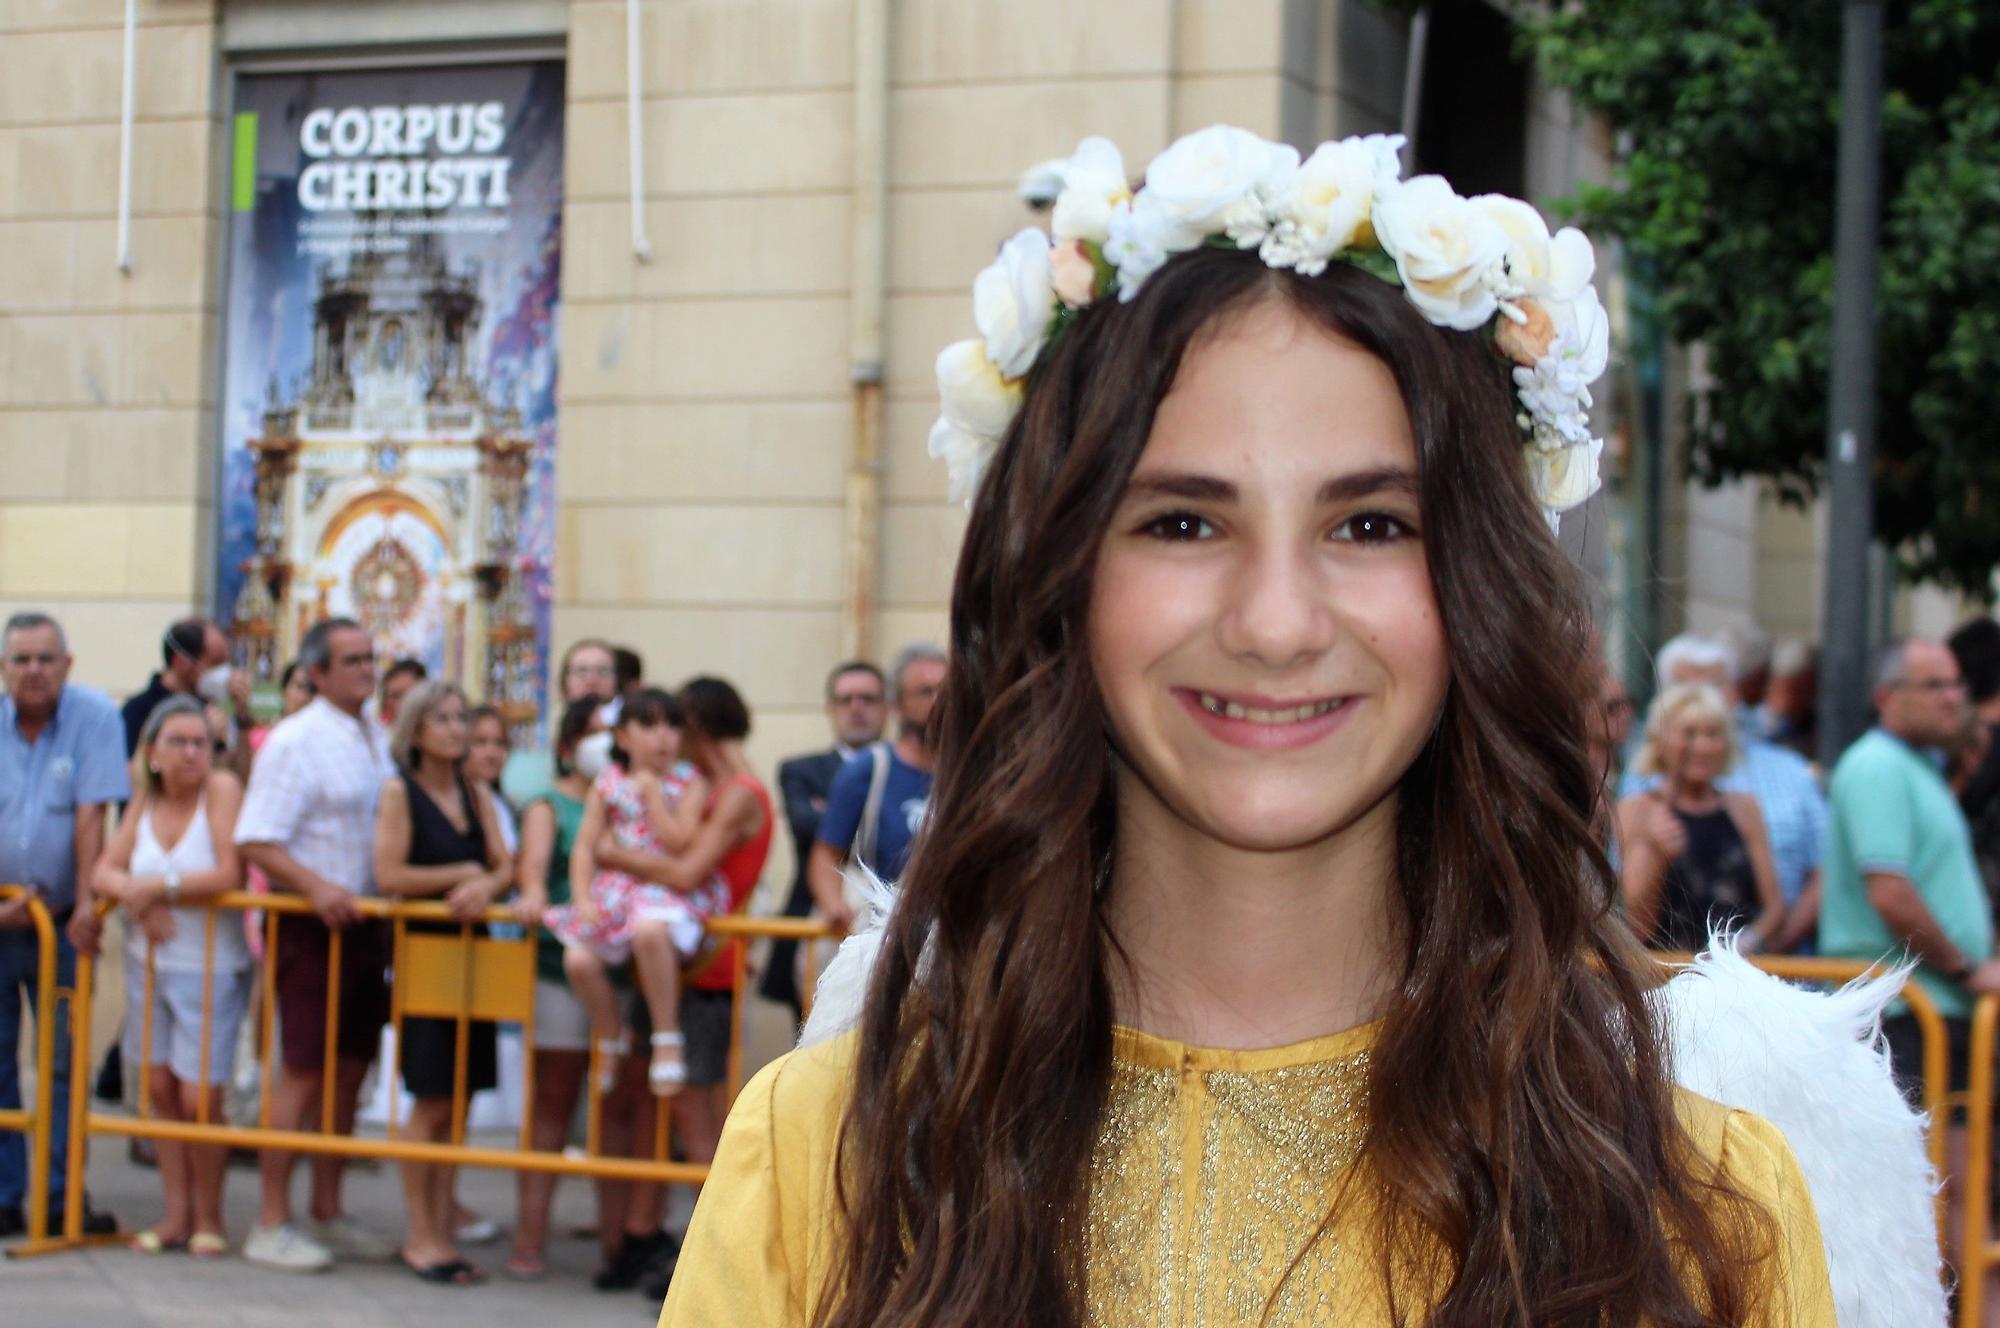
(1180, 484)
(1208, 488)
(1368, 483)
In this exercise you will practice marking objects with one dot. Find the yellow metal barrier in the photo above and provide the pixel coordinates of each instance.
(33, 1121)
(435, 974)
(469, 976)
(1978, 1253)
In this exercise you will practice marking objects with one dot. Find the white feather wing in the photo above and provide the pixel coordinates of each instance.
(1809, 1063)
(842, 988)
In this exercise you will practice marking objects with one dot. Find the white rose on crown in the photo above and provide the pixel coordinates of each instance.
(1551, 269)
(1012, 301)
(1215, 181)
(979, 403)
(975, 396)
(1445, 248)
(1093, 184)
(1563, 478)
(1327, 203)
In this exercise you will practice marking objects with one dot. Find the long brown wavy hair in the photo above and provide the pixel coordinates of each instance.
(1521, 1131)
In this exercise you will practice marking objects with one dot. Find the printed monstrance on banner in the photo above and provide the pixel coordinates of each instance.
(389, 389)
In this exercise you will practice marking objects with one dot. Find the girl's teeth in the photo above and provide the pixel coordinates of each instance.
(1229, 709)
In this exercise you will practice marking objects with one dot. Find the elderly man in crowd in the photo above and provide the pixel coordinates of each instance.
(308, 822)
(61, 766)
(1781, 781)
(1900, 873)
(857, 707)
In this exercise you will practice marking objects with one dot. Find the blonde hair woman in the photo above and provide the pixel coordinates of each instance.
(1694, 857)
(175, 844)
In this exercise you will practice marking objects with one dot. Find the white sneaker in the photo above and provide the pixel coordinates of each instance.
(287, 1249)
(345, 1238)
(479, 1231)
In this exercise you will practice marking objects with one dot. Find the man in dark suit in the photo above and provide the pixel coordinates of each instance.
(857, 706)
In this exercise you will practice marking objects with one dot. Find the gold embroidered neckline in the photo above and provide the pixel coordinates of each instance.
(1144, 1049)
(1216, 1184)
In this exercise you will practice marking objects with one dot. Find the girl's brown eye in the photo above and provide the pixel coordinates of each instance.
(1178, 527)
(1372, 528)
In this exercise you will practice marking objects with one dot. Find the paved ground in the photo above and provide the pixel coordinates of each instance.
(107, 1286)
(111, 1287)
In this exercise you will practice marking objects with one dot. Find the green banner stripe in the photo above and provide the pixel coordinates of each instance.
(243, 177)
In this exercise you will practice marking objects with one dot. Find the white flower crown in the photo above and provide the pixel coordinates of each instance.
(1465, 263)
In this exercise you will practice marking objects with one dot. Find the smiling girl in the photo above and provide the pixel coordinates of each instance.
(1257, 963)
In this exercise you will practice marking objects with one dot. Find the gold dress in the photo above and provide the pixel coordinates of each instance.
(1213, 1176)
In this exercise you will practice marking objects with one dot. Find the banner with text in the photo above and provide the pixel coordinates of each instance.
(388, 416)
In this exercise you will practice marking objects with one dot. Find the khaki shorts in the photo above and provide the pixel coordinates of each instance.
(560, 1021)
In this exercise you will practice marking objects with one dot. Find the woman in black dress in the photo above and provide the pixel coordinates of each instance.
(1695, 857)
(436, 835)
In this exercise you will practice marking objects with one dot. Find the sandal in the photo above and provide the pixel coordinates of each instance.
(207, 1245)
(668, 1077)
(609, 1052)
(149, 1242)
(451, 1272)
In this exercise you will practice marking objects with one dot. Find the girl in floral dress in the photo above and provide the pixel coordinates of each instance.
(643, 807)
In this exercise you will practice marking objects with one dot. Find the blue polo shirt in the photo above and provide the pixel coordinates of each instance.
(905, 795)
(77, 760)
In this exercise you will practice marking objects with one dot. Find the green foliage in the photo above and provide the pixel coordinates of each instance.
(1731, 110)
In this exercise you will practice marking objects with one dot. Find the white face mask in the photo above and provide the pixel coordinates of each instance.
(213, 685)
(593, 754)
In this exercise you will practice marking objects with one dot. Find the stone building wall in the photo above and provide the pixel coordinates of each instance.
(706, 413)
(706, 418)
(107, 382)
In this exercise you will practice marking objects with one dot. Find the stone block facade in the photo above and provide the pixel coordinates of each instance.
(706, 422)
(107, 381)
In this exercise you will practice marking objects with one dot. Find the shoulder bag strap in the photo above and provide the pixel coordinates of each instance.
(871, 810)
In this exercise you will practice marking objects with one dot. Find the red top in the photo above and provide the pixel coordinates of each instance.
(741, 867)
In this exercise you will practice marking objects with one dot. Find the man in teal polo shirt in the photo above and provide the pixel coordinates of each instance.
(1900, 872)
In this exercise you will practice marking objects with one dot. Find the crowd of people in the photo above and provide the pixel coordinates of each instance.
(643, 817)
(1719, 818)
(640, 820)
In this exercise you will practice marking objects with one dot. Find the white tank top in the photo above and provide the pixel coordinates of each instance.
(195, 852)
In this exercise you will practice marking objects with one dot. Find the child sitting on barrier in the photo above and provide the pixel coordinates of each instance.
(639, 803)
